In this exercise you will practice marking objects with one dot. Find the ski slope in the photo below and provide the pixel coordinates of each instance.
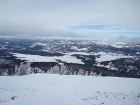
(52, 89)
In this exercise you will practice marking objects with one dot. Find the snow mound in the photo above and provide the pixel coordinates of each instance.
(47, 89)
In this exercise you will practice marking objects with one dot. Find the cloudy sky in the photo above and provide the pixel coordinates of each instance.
(73, 19)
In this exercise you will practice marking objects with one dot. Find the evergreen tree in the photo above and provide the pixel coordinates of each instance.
(81, 72)
(86, 74)
(23, 69)
(74, 73)
(5, 73)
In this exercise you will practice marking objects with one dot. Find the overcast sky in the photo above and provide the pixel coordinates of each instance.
(71, 19)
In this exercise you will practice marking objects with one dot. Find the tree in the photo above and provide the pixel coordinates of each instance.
(16, 69)
(71, 73)
(64, 70)
(23, 69)
(48, 72)
(86, 74)
(54, 70)
(51, 71)
(91, 73)
(74, 73)
(5, 73)
(81, 72)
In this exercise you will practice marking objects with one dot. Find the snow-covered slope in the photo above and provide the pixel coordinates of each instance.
(47, 89)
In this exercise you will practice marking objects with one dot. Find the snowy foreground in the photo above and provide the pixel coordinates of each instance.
(52, 89)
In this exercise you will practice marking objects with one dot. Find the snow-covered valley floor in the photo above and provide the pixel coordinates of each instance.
(52, 89)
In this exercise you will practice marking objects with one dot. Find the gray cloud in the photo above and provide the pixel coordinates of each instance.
(134, 40)
(127, 39)
(51, 18)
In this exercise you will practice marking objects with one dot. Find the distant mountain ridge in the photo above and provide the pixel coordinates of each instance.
(107, 58)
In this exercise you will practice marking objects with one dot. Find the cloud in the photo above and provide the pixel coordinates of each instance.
(134, 40)
(53, 18)
(126, 39)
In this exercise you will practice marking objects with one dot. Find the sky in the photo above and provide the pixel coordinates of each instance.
(70, 19)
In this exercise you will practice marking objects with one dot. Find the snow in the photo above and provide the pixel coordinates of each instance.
(69, 58)
(137, 52)
(107, 66)
(47, 89)
(76, 48)
(34, 58)
(38, 43)
(80, 53)
(110, 56)
(107, 58)
(66, 58)
(112, 43)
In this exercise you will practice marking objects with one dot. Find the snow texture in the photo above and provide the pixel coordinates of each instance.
(52, 89)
